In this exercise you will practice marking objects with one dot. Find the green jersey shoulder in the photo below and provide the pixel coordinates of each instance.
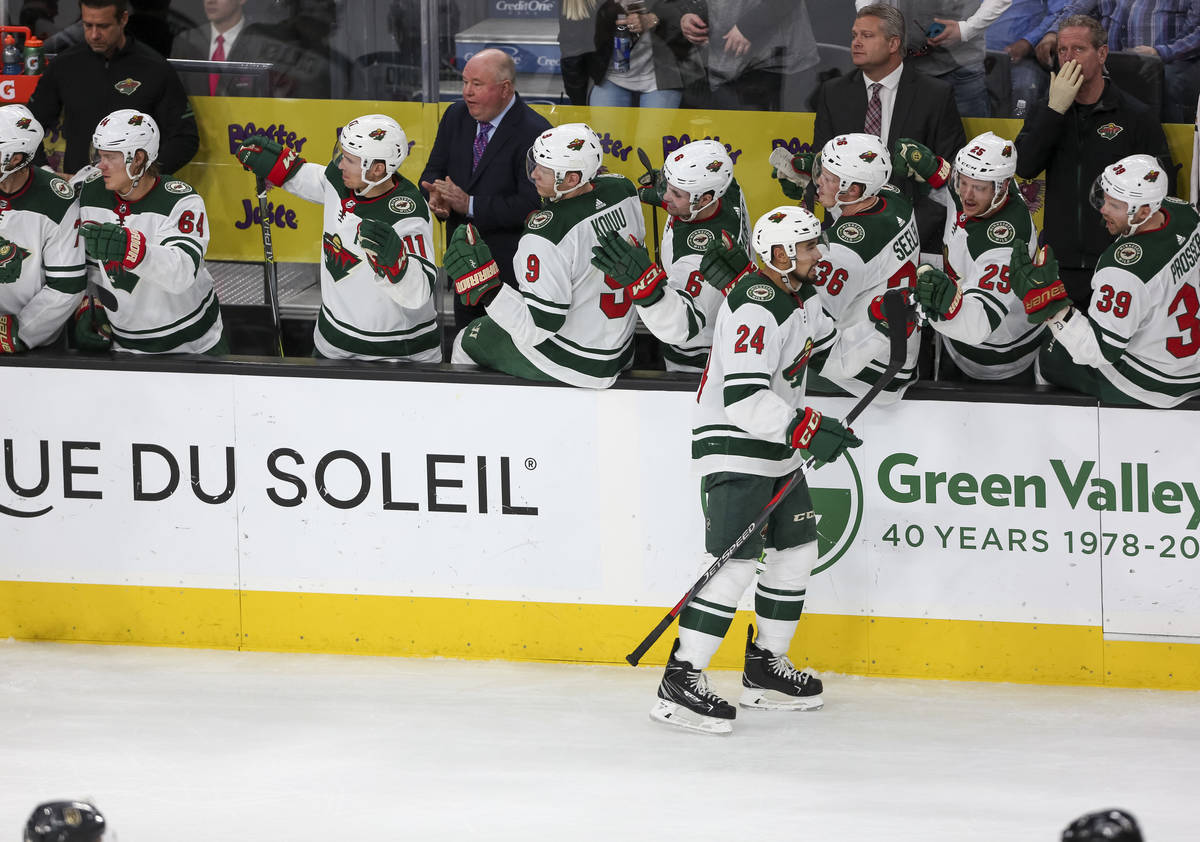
(868, 233)
(557, 219)
(758, 291)
(1146, 255)
(1010, 222)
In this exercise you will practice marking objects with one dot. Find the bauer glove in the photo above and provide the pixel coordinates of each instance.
(1036, 282)
(627, 263)
(469, 264)
(92, 331)
(269, 160)
(9, 343)
(919, 161)
(939, 295)
(824, 438)
(794, 172)
(11, 259)
(725, 263)
(384, 249)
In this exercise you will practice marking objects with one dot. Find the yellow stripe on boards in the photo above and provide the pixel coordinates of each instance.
(535, 631)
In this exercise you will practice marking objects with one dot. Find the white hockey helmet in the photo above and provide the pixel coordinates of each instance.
(1136, 180)
(127, 131)
(571, 147)
(19, 132)
(696, 168)
(375, 137)
(785, 226)
(987, 157)
(855, 159)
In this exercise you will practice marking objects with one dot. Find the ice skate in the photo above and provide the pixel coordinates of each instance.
(685, 701)
(771, 682)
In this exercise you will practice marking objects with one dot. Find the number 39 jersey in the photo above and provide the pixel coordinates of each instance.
(868, 254)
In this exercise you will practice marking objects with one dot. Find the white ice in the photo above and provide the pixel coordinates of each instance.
(184, 745)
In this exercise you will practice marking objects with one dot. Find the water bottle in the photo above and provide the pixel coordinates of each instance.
(622, 45)
(12, 57)
(1019, 111)
(33, 56)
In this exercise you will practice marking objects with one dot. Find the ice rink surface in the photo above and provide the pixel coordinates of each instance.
(177, 745)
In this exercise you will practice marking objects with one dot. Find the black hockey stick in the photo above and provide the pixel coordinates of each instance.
(645, 159)
(896, 309)
(270, 267)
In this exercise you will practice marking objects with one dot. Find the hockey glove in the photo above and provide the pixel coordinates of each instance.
(824, 438)
(113, 245)
(725, 263)
(919, 162)
(9, 344)
(92, 331)
(1036, 282)
(876, 314)
(384, 249)
(469, 263)
(627, 263)
(652, 187)
(940, 295)
(794, 172)
(269, 160)
(10, 261)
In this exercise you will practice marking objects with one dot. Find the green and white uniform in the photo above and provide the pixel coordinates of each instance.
(868, 254)
(1140, 341)
(989, 338)
(363, 315)
(167, 303)
(40, 221)
(683, 318)
(565, 319)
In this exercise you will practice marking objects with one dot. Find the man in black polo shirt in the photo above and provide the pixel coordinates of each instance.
(107, 72)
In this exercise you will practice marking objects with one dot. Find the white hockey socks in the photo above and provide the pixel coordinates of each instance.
(779, 595)
(705, 620)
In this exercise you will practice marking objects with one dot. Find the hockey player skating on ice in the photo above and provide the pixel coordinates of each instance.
(65, 821)
(752, 428)
(971, 303)
(672, 298)
(42, 274)
(145, 238)
(377, 274)
(1140, 339)
(565, 321)
(873, 247)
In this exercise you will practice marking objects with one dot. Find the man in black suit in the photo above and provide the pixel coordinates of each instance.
(885, 97)
(476, 171)
(223, 38)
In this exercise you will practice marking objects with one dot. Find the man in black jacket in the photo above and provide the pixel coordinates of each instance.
(1085, 124)
(107, 72)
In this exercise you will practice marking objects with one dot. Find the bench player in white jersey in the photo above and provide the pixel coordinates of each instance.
(42, 274)
(1139, 342)
(971, 303)
(565, 321)
(377, 273)
(672, 298)
(145, 237)
(873, 247)
(752, 428)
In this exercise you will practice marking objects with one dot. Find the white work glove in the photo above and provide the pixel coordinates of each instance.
(1064, 85)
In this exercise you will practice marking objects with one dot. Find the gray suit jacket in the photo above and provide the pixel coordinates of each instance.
(193, 44)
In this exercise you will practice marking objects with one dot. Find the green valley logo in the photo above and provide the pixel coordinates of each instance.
(837, 496)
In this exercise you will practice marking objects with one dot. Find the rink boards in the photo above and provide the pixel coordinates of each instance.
(963, 540)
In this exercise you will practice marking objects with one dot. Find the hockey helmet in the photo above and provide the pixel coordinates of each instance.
(696, 168)
(571, 147)
(855, 159)
(1103, 826)
(65, 821)
(375, 137)
(1137, 180)
(127, 131)
(987, 157)
(19, 132)
(785, 226)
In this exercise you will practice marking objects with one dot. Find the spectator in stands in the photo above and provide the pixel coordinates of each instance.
(577, 47)
(221, 39)
(1085, 123)
(1165, 29)
(649, 75)
(755, 50)
(1017, 32)
(945, 40)
(476, 169)
(885, 96)
(300, 47)
(112, 70)
(39, 16)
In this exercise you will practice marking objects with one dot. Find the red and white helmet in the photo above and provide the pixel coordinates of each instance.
(784, 226)
(1137, 180)
(987, 157)
(571, 147)
(20, 132)
(127, 131)
(697, 168)
(375, 137)
(855, 159)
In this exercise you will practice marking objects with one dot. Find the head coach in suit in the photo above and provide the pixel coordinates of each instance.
(886, 97)
(476, 171)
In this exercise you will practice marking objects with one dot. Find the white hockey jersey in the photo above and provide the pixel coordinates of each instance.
(167, 304)
(363, 315)
(40, 221)
(566, 317)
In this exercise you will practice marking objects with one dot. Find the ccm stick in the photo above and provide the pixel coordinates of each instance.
(896, 309)
(270, 267)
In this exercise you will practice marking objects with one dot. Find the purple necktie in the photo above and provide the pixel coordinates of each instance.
(481, 140)
(874, 121)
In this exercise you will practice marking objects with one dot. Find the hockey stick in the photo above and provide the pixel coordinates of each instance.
(645, 159)
(896, 309)
(270, 267)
